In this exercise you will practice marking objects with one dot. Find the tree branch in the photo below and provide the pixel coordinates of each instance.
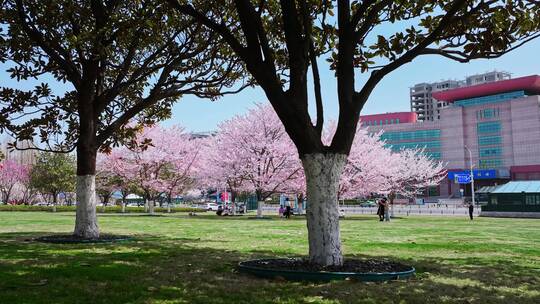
(52, 49)
(314, 67)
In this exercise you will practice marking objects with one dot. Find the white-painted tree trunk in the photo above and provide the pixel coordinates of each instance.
(259, 209)
(323, 172)
(168, 208)
(300, 207)
(146, 206)
(123, 207)
(151, 205)
(86, 220)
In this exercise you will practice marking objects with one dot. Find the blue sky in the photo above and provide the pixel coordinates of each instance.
(391, 95)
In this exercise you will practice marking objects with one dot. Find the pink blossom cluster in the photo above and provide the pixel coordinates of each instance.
(252, 153)
(14, 180)
(161, 161)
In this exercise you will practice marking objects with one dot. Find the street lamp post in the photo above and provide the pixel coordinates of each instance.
(472, 174)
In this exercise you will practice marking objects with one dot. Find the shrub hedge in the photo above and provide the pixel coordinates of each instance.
(108, 209)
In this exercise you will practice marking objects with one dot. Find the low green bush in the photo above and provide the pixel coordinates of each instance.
(108, 209)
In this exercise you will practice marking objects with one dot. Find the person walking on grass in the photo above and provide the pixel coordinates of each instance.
(471, 210)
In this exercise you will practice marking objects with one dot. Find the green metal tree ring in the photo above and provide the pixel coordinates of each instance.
(70, 239)
(322, 276)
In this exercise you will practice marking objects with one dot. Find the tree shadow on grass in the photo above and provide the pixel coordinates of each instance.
(373, 218)
(175, 270)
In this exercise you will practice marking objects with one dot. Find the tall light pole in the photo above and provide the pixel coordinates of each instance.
(472, 173)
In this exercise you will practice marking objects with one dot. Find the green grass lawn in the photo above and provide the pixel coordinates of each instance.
(181, 259)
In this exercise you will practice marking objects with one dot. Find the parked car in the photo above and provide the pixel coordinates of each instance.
(212, 207)
(368, 203)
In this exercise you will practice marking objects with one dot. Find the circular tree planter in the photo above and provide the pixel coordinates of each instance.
(71, 239)
(295, 269)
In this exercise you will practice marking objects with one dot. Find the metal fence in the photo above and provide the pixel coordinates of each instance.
(400, 210)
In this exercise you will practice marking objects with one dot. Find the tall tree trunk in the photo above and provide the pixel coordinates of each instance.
(7, 195)
(259, 203)
(323, 172)
(391, 198)
(146, 198)
(299, 204)
(55, 201)
(233, 202)
(86, 225)
(151, 205)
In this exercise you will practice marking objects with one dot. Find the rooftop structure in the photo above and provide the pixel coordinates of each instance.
(519, 187)
(428, 108)
(487, 77)
(387, 118)
(528, 84)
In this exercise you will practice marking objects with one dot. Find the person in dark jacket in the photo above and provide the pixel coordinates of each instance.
(471, 210)
(219, 210)
(287, 212)
(380, 209)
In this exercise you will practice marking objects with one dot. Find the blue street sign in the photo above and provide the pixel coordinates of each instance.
(478, 174)
(463, 178)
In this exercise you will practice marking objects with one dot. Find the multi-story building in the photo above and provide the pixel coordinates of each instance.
(498, 121)
(25, 156)
(198, 135)
(422, 102)
(428, 108)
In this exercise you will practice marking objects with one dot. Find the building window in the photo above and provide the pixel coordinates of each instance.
(411, 135)
(487, 113)
(489, 140)
(489, 99)
(490, 152)
(488, 127)
(532, 199)
(490, 163)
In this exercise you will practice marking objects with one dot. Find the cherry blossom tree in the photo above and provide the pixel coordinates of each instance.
(107, 180)
(12, 174)
(411, 170)
(159, 161)
(218, 169)
(179, 155)
(363, 173)
(252, 152)
(372, 167)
